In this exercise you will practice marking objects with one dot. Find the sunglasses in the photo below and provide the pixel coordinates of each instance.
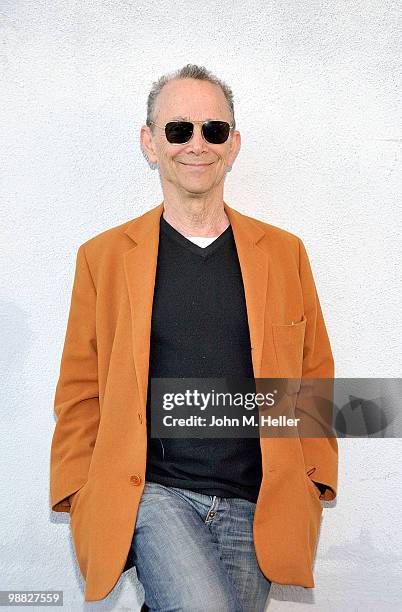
(180, 132)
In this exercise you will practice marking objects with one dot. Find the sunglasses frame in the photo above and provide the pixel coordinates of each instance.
(163, 127)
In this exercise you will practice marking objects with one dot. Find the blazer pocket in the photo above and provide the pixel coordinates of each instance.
(73, 497)
(315, 492)
(289, 345)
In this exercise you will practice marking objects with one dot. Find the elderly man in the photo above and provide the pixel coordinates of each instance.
(190, 289)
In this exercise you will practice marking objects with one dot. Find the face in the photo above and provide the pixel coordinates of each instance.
(190, 100)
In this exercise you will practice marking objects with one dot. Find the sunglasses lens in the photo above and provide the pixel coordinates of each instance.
(216, 132)
(178, 132)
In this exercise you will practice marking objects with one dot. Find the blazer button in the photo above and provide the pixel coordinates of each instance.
(135, 479)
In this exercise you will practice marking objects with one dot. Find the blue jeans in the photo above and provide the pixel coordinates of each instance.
(195, 552)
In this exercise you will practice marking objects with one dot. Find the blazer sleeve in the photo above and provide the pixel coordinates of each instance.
(76, 400)
(314, 403)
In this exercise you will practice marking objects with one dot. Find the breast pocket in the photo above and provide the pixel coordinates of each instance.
(289, 344)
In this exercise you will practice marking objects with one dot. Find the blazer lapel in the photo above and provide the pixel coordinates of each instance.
(254, 264)
(140, 272)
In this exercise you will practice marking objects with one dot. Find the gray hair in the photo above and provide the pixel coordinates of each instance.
(190, 71)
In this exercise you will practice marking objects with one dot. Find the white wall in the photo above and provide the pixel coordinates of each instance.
(315, 87)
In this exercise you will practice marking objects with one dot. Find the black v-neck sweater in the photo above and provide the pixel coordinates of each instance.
(200, 329)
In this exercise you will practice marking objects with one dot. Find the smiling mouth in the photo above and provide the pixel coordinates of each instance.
(196, 165)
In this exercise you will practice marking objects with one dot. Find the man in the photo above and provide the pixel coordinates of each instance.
(192, 288)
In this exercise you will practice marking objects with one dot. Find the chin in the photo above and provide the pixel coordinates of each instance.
(196, 190)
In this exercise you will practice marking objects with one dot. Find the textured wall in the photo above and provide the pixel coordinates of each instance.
(315, 87)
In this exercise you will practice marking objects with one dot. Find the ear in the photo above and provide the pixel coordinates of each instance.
(147, 144)
(234, 148)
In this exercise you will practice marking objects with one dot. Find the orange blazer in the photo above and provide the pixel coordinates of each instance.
(98, 450)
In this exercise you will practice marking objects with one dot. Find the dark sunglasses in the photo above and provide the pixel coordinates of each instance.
(180, 132)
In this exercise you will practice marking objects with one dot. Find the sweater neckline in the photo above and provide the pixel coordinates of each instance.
(172, 232)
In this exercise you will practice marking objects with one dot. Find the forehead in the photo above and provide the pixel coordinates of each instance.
(192, 99)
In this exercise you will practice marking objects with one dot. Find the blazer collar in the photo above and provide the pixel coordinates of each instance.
(139, 228)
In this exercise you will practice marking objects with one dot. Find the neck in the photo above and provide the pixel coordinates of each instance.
(196, 217)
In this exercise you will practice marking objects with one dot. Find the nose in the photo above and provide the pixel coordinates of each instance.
(197, 142)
